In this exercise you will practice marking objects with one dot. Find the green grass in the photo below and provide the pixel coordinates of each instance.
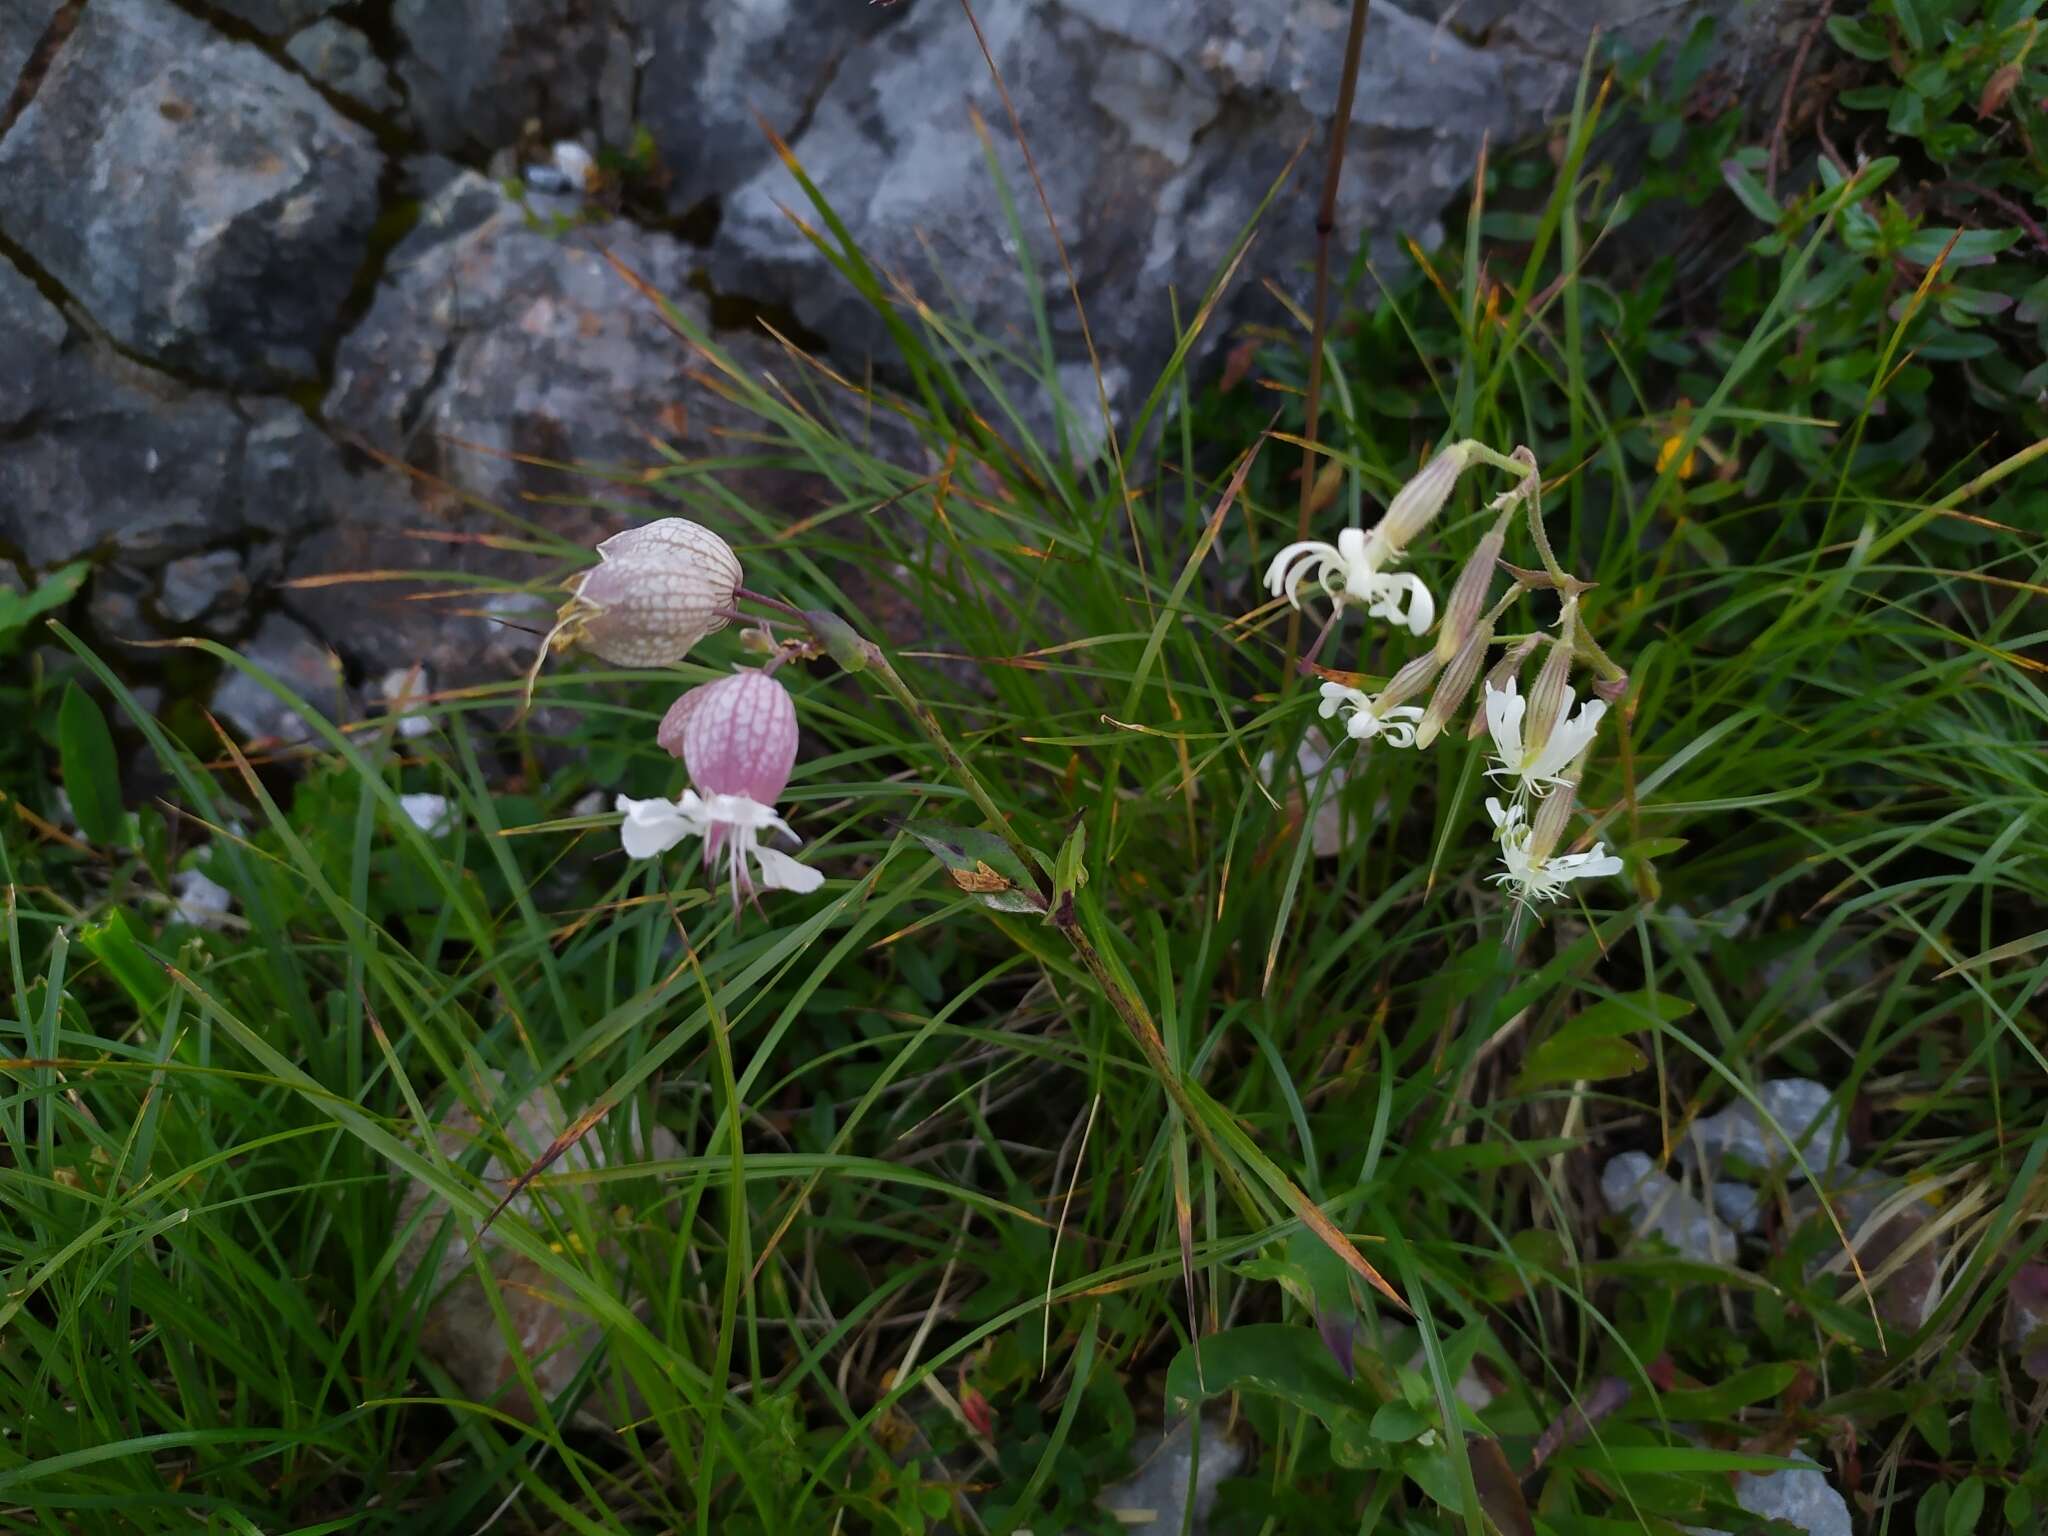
(922, 1155)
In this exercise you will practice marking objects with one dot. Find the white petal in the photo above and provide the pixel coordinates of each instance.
(1504, 709)
(779, 872)
(1421, 606)
(1291, 566)
(1568, 738)
(652, 827)
(1585, 866)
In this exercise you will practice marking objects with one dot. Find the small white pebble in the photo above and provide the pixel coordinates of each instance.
(402, 686)
(432, 814)
(201, 902)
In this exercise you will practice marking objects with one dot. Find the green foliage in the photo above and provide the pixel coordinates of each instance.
(943, 1225)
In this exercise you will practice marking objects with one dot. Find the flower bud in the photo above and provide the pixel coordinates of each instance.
(1553, 815)
(1509, 666)
(1409, 681)
(1422, 498)
(737, 736)
(657, 590)
(1455, 686)
(1611, 689)
(1468, 596)
(1547, 698)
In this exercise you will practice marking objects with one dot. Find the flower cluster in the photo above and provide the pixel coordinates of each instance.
(655, 592)
(1540, 742)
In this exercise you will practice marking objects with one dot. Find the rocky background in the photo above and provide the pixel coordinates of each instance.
(242, 239)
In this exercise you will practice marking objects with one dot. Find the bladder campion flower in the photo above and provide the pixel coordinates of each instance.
(1536, 766)
(1356, 567)
(738, 738)
(655, 592)
(1534, 873)
(1364, 720)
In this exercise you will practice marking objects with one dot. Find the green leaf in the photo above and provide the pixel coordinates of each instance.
(1755, 1385)
(112, 942)
(17, 609)
(981, 864)
(1749, 190)
(1860, 37)
(1396, 1423)
(1973, 247)
(92, 775)
(1069, 872)
(1282, 1362)
(1965, 1508)
(1570, 1061)
(1990, 1425)
(1911, 23)
(1591, 1047)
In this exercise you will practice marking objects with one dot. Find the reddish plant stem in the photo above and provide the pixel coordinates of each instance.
(1326, 226)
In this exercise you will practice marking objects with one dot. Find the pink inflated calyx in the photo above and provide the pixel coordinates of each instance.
(738, 737)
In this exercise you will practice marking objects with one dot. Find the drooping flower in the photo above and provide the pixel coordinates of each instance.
(1354, 569)
(1533, 874)
(1365, 720)
(738, 738)
(1358, 567)
(1536, 767)
(655, 592)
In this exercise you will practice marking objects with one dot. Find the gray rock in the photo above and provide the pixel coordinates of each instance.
(1737, 1204)
(1658, 1206)
(31, 335)
(22, 25)
(204, 205)
(277, 18)
(289, 654)
(476, 71)
(341, 58)
(490, 339)
(2026, 1319)
(715, 73)
(459, 1329)
(1802, 1498)
(1801, 1109)
(125, 462)
(1883, 1219)
(1157, 130)
(199, 585)
(1153, 1501)
(119, 455)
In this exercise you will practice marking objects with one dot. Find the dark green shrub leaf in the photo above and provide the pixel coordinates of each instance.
(92, 775)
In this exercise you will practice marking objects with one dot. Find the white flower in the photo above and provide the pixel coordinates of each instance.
(1532, 878)
(1535, 767)
(1354, 569)
(430, 813)
(201, 902)
(1364, 721)
(732, 822)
